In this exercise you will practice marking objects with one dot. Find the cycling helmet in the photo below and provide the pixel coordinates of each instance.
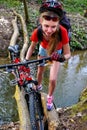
(52, 5)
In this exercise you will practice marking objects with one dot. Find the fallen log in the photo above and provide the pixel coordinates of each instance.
(25, 36)
(22, 109)
(51, 116)
(16, 32)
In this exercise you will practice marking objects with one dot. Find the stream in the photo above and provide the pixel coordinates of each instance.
(72, 79)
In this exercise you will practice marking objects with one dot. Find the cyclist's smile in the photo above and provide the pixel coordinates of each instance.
(49, 27)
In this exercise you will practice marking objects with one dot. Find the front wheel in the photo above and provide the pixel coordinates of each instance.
(36, 112)
(32, 111)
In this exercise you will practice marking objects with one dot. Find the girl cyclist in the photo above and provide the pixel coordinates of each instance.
(54, 38)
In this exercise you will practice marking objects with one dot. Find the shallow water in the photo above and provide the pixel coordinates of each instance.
(72, 79)
(8, 108)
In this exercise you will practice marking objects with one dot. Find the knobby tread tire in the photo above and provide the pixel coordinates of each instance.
(40, 112)
(32, 111)
(36, 112)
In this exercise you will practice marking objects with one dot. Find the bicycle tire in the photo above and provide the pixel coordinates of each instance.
(32, 111)
(40, 112)
(36, 113)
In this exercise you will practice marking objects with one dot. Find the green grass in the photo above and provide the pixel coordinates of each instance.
(75, 5)
(70, 5)
(10, 3)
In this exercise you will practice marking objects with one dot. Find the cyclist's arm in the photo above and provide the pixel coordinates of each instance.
(66, 51)
(30, 50)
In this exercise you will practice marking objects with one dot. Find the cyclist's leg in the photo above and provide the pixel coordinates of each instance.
(42, 53)
(53, 77)
(40, 74)
(52, 83)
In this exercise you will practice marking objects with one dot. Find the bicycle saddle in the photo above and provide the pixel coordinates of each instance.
(14, 49)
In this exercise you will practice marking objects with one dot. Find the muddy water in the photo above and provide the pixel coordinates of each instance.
(72, 79)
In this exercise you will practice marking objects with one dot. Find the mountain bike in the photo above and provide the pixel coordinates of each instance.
(23, 78)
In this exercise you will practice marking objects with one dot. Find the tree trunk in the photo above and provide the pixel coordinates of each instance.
(26, 11)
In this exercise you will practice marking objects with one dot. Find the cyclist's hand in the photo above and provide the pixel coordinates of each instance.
(24, 60)
(57, 57)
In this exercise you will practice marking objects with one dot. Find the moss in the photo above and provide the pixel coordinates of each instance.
(83, 95)
(84, 118)
(80, 107)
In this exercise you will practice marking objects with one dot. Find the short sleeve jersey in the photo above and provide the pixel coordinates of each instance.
(44, 43)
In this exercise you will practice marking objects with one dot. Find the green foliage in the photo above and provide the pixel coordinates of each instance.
(10, 3)
(75, 5)
(33, 14)
(79, 36)
(39, 1)
(69, 5)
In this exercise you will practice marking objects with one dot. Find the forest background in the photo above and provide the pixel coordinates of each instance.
(76, 12)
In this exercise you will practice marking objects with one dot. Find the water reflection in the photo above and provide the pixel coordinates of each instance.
(72, 80)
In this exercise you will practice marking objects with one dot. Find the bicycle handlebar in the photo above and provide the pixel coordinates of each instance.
(43, 60)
